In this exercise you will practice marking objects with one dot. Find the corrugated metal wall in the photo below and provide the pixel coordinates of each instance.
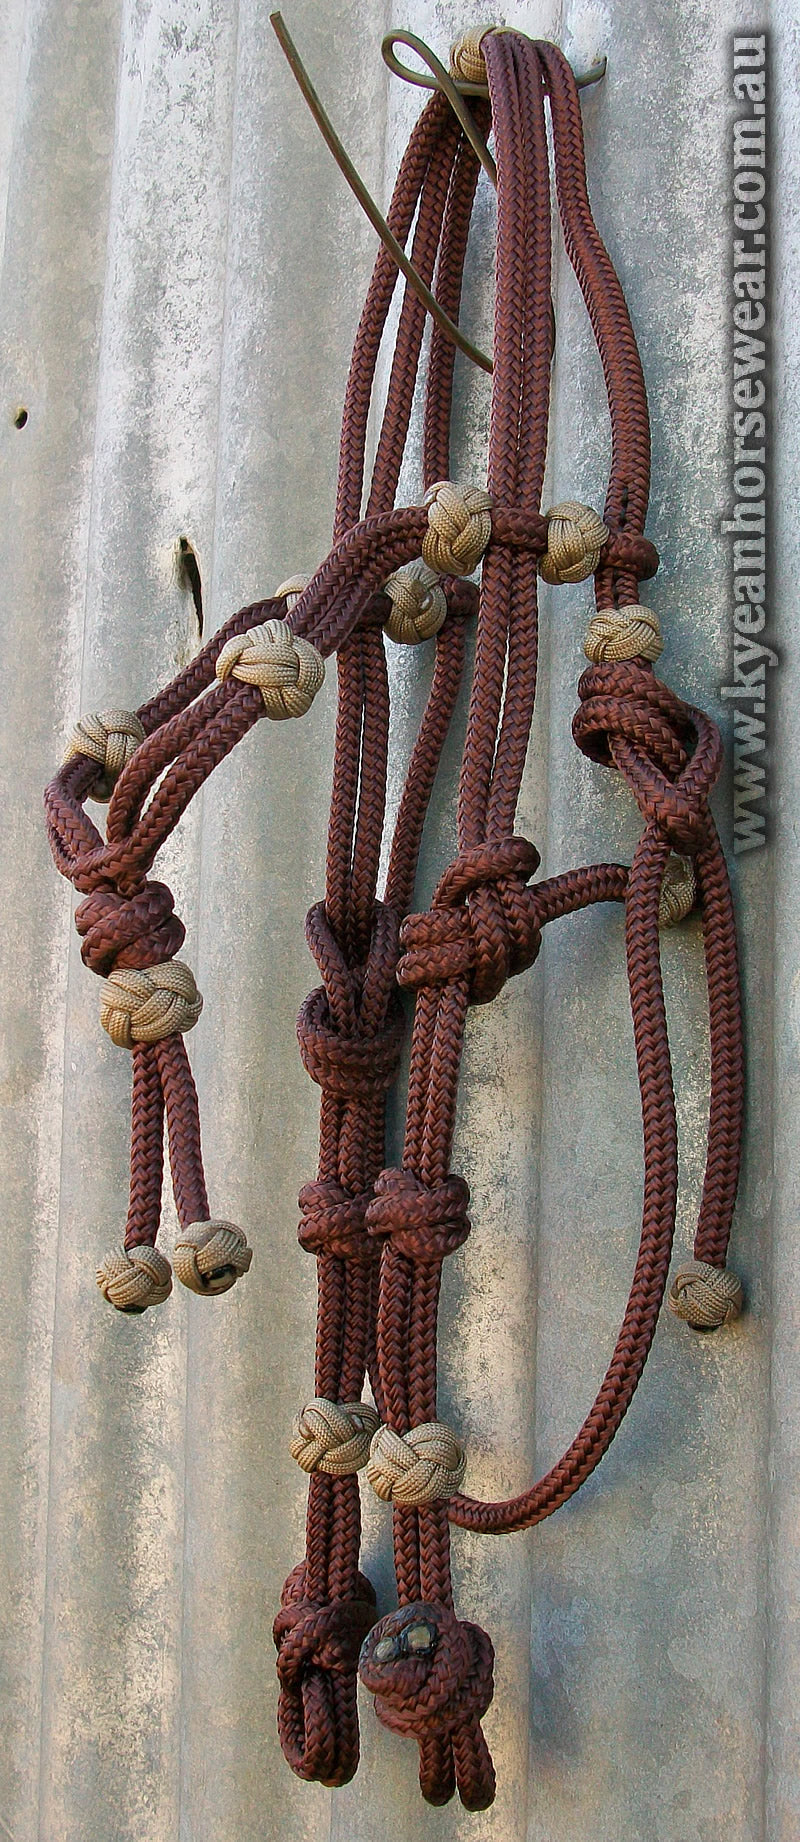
(182, 276)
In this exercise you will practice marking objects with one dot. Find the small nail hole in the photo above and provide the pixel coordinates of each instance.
(20, 418)
(189, 577)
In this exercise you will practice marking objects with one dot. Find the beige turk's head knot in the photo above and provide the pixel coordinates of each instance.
(575, 537)
(705, 1296)
(109, 739)
(291, 590)
(333, 1436)
(142, 1006)
(678, 892)
(287, 670)
(209, 1257)
(459, 528)
(419, 603)
(467, 61)
(135, 1277)
(632, 632)
(421, 1466)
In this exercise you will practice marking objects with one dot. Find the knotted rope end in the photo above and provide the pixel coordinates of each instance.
(134, 1278)
(210, 1256)
(705, 1296)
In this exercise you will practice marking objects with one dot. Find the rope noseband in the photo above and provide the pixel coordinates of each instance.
(380, 1236)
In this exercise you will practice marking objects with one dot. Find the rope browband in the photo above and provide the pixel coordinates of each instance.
(380, 1236)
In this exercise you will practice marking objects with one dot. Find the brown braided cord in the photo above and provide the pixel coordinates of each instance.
(380, 1239)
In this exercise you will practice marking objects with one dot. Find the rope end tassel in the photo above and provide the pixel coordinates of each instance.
(380, 1236)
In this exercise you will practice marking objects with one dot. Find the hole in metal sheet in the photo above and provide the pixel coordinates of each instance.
(189, 577)
(20, 418)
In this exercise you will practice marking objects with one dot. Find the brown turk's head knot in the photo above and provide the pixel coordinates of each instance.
(424, 1224)
(428, 1670)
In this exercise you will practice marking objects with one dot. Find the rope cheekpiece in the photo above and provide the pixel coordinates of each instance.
(380, 1236)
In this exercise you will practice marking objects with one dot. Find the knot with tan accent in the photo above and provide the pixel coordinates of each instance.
(705, 1296)
(288, 671)
(459, 527)
(110, 739)
(209, 1257)
(575, 537)
(333, 1436)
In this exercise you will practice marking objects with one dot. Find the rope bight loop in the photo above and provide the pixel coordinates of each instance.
(380, 1236)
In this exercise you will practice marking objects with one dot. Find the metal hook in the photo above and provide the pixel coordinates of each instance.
(366, 200)
(443, 80)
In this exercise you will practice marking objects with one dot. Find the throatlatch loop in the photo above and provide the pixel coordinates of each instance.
(380, 1236)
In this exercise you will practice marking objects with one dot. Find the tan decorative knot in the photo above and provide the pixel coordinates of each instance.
(110, 740)
(291, 590)
(575, 537)
(141, 1007)
(135, 1277)
(287, 670)
(416, 1467)
(632, 632)
(466, 58)
(210, 1256)
(705, 1296)
(678, 892)
(419, 603)
(333, 1436)
(460, 526)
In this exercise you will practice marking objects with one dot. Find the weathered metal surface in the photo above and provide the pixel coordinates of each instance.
(183, 272)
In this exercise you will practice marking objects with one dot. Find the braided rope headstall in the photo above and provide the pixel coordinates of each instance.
(380, 1236)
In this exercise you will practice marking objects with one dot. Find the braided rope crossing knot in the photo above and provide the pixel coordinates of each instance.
(481, 922)
(424, 1465)
(287, 670)
(705, 1296)
(334, 1436)
(143, 1006)
(318, 1645)
(109, 739)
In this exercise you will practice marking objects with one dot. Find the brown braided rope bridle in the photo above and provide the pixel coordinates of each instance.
(380, 1236)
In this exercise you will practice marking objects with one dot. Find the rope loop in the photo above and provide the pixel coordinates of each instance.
(432, 1676)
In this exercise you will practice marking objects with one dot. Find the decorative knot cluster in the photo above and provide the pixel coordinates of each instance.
(334, 1223)
(334, 1436)
(678, 892)
(481, 923)
(419, 604)
(287, 670)
(428, 1670)
(459, 528)
(575, 537)
(142, 1006)
(109, 739)
(135, 1277)
(117, 930)
(632, 632)
(424, 1225)
(466, 57)
(209, 1257)
(424, 1465)
(705, 1296)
